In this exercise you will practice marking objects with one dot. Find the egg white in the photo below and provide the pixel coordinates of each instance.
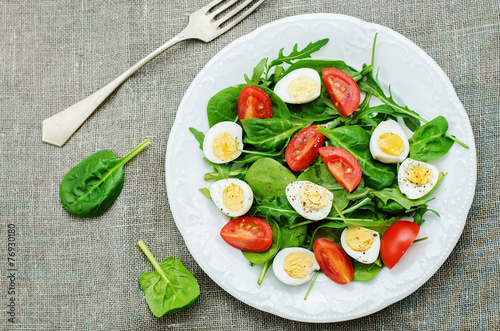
(230, 127)
(217, 192)
(389, 126)
(411, 190)
(368, 256)
(292, 192)
(281, 88)
(279, 270)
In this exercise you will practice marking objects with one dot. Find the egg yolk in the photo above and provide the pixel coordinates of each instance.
(302, 88)
(314, 197)
(419, 175)
(297, 264)
(360, 239)
(391, 144)
(233, 197)
(224, 146)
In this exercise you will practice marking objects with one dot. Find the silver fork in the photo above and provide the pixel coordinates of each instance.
(204, 24)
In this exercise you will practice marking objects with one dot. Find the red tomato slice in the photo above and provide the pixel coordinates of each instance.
(333, 261)
(396, 241)
(303, 148)
(249, 234)
(342, 89)
(254, 103)
(342, 165)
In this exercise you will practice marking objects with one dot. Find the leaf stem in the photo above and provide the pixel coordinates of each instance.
(263, 272)
(135, 151)
(152, 259)
(312, 283)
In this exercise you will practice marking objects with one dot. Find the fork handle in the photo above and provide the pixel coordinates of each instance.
(57, 129)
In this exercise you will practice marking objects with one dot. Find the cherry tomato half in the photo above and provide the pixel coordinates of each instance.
(254, 103)
(333, 261)
(342, 165)
(303, 148)
(396, 241)
(342, 89)
(249, 234)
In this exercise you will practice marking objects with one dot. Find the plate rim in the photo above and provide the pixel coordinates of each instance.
(365, 24)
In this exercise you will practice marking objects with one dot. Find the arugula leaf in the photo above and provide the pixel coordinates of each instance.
(278, 209)
(370, 85)
(257, 72)
(198, 135)
(297, 54)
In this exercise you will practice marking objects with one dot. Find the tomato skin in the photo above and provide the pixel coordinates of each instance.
(344, 167)
(342, 89)
(302, 149)
(249, 234)
(333, 261)
(254, 103)
(396, 241)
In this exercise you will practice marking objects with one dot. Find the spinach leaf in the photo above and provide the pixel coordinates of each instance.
(365, 272)
(293, 237)
(261, 257)
(277, 208)
(269, 134)
(316, 110)
(268, 179)
(331, 230)
(223, 106)
(356, 141)
(90, 187)
(429, 142)
(170, 288)
(394, 194)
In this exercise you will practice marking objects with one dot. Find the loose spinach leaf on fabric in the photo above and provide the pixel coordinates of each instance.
(270, 134)
(90, 187)
(170, 288)
(429, 142)
(356, 141)
(261, 257)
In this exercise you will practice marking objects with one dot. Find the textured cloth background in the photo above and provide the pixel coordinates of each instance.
(75, 274)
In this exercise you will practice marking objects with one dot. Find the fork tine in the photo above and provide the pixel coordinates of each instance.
(212, 4)
(236, 11)
(223, 7)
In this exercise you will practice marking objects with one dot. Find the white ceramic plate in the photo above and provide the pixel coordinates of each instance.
(416, 81)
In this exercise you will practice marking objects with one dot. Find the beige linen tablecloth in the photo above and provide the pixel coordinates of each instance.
(75, 274)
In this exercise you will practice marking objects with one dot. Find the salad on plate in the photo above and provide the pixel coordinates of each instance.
(319, 169)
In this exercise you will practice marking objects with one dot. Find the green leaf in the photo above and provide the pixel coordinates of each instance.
(297, 54)
(198, 135)
(261, 257)
(319, 65)
(365, 272)
(269, 134)
(277, 208)
(257, 72)
(170, 288)
(90, 187)
(429, 142)
(268, 179)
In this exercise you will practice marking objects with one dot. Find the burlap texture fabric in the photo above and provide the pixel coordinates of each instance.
(76, 274)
